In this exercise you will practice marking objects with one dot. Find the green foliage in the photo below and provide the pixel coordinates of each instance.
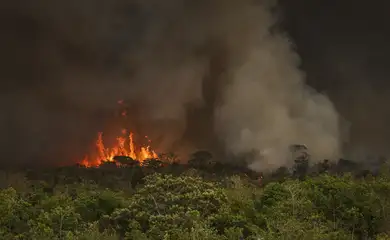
(361, 207)
(14, 215)
(289, 213)
(166, 203)
(191, 204)
(93, 203)
(91, 232)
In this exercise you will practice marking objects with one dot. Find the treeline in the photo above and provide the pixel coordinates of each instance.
(205, 200)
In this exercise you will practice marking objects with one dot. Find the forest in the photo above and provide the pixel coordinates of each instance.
(203, 199)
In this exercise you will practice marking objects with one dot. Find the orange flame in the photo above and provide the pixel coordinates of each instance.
(125, 146)
(121, 149)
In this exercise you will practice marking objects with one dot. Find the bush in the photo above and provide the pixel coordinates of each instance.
(185, 206)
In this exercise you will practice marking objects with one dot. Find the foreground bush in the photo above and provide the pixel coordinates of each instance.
(188, 207)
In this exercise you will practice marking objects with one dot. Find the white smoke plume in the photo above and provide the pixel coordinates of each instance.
(267, 107)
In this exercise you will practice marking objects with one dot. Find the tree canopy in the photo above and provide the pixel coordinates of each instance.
(202, 200)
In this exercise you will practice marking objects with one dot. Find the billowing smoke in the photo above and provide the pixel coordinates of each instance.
(197, 74)
(348, 58)
(267, 106)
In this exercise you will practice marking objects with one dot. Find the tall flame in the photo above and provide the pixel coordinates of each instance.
(125, 146)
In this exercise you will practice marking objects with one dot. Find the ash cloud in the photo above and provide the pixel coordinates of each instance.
(203, 74)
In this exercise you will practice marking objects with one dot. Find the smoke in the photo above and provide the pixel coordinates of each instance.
(352, 68)
(267, 106)
(257, 96)
(200, 74)
(362, 97)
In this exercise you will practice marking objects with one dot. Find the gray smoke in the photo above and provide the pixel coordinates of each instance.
(267, 106)
(196, 73)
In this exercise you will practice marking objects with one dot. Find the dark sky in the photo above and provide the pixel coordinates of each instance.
(344, 46)
(321, 28)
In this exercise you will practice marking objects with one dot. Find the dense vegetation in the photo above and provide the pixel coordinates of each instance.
(163, 201)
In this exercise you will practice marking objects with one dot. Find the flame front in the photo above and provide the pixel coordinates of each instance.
(124, 147)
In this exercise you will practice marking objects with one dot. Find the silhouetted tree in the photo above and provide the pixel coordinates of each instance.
(126, 161)
(152, 163)
(324, 166)
(201, 159)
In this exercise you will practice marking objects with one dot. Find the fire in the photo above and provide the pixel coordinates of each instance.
(124, 146)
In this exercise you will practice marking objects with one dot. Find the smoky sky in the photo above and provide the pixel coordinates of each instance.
(65, 64)
(345, 53)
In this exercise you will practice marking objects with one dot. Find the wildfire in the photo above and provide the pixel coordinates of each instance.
(125, 146)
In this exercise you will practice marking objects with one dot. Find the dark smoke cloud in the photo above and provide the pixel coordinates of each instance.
(58, 82)
(197, 74)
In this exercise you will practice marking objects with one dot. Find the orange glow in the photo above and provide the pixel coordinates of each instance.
(124, 146)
